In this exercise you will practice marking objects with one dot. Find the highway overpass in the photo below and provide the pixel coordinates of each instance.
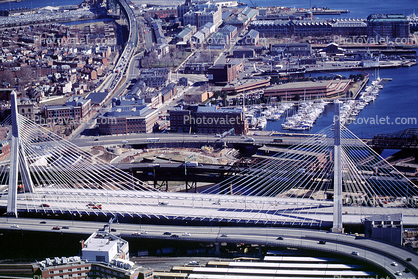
(379, 254)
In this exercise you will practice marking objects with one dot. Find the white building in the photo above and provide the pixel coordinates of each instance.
(104, 247)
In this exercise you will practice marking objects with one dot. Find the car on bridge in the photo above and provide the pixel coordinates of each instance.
(45, 205)
(56, 228)
(167, 233)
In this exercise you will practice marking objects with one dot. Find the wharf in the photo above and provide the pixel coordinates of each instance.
(328, 12)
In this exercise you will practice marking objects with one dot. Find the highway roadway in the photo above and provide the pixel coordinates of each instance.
(177, 137)
(372, 251)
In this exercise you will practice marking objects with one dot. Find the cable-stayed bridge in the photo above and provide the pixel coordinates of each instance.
(42, 172)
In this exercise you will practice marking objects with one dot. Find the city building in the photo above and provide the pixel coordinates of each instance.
(307, 90)
(221, 74)
(388, 228)
(387, 26)
(74, 108)
(242, 20)
(62, 267)
(238, 86)
(25, 107)
(252, 38)
(291, 49)
(202, 14)
(243, 53)
(104, 247)
(197, 96)
(128, 119)
(104, 255)
(186, 33)
(287, 28)
(207, 120)
(155, 77)
(349, 27)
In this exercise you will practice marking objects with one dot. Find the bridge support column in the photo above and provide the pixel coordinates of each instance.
(338, 185)
(217, 251)
(16, 150)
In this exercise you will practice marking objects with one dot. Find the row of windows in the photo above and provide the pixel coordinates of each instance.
(69, 270)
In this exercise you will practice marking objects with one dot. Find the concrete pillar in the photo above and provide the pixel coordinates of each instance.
(217, 251)
(16, 164)
(337, 225)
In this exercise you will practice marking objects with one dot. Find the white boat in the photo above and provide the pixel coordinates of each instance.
(262, 122)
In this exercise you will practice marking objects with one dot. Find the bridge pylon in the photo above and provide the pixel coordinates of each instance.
(17, 162)
(337, 224)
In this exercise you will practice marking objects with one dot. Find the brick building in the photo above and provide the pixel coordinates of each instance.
(75, 108)
(122, 120)
(208, 120)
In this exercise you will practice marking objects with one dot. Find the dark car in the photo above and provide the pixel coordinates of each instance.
(224, 235)
(174, 235)
(167, 233)
(112, 230)
(321, 242)
(279, 238)
(56, 228)
(65, 227)
(42, 222)
(44, 205)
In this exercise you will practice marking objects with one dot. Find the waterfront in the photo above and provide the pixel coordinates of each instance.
(394, 104)
(357, 8)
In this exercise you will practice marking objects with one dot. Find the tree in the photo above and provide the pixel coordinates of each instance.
(297, 97)
(8, 76)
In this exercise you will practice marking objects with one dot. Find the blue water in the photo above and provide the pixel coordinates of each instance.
(396, 103)
(37, 4)
(358, 8)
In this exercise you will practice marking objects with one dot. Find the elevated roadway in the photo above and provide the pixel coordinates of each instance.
(378, 253)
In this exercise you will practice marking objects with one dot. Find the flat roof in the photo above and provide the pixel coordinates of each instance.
(100, 244)
(301, 85)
